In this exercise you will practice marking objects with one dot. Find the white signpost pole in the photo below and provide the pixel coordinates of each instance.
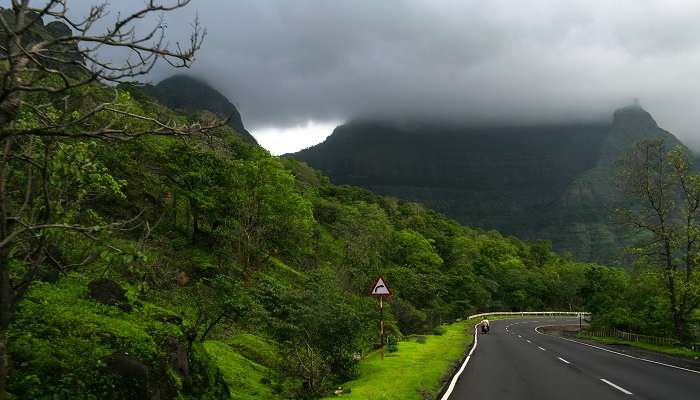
(381, 325)
(381, 290)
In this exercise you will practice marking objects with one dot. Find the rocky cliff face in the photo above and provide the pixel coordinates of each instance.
(552, 182)
(182, 92)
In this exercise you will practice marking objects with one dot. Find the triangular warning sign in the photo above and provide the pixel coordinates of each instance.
(380, 288)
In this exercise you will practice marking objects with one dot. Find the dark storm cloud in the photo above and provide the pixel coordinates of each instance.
(284, 62)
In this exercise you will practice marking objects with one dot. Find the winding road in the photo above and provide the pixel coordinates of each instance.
(516, 361)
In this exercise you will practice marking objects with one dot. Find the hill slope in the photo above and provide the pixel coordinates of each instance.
(550, 182)
(182, 92)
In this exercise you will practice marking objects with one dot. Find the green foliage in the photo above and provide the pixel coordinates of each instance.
(414, 371)
(392, 343)
(605, 290)
(662, 192)
(255, 348)
(60, 337)
(671, 350)
(438, 330)
(412, 249)
(338, 324)
(245, 376)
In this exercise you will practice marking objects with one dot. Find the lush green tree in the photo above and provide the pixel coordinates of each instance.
(604, 293)
(664, 206)
(197, 176)
(411, 249)
(362, 231)
(269, 216)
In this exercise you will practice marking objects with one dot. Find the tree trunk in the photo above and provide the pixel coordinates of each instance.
(5, 313)
(676, 312)
(211, 326)
(195, 222)
(175, 209)
(4, 364)
(680, 325)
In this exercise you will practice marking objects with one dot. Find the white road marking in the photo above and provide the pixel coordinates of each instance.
(623, 390)
(453, 382)
(541, 348)
(563, 360)
(622, 354)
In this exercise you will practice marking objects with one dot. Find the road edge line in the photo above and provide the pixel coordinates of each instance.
(618, 353)
(456, 376)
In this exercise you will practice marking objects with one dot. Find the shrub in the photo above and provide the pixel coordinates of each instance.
(392, 344)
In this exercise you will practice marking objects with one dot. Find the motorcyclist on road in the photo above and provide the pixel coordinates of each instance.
(484, 325)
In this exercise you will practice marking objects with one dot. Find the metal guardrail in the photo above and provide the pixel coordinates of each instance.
(529, 313)
(637, 338)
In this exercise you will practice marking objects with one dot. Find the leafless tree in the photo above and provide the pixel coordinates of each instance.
(51, 61)
(663, 209)
(308, 363)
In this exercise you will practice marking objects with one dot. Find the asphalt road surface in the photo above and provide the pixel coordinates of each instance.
(513, 361)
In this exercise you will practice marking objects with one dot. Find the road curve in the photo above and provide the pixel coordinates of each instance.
(514, 361)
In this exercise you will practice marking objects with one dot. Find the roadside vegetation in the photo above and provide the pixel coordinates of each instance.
(417, 369)
(670, 350)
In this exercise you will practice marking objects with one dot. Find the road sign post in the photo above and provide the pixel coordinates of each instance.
(381, 326)
(381, 290)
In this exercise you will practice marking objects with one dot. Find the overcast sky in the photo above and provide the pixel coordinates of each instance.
(297, 68)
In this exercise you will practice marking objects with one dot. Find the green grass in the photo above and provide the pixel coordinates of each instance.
(674, 351)
(415, 371)
(243, 376)
(282, 267)
(254, 348)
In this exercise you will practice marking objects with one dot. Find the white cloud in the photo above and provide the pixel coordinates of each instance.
(292, 139)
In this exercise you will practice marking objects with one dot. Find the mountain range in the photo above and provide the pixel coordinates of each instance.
(541, 182)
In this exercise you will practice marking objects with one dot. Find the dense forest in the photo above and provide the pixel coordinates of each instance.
(149, 253)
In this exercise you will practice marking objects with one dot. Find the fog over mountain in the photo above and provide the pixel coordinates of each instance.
(284, 63)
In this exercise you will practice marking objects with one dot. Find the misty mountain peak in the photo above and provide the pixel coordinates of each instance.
(634, 117)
